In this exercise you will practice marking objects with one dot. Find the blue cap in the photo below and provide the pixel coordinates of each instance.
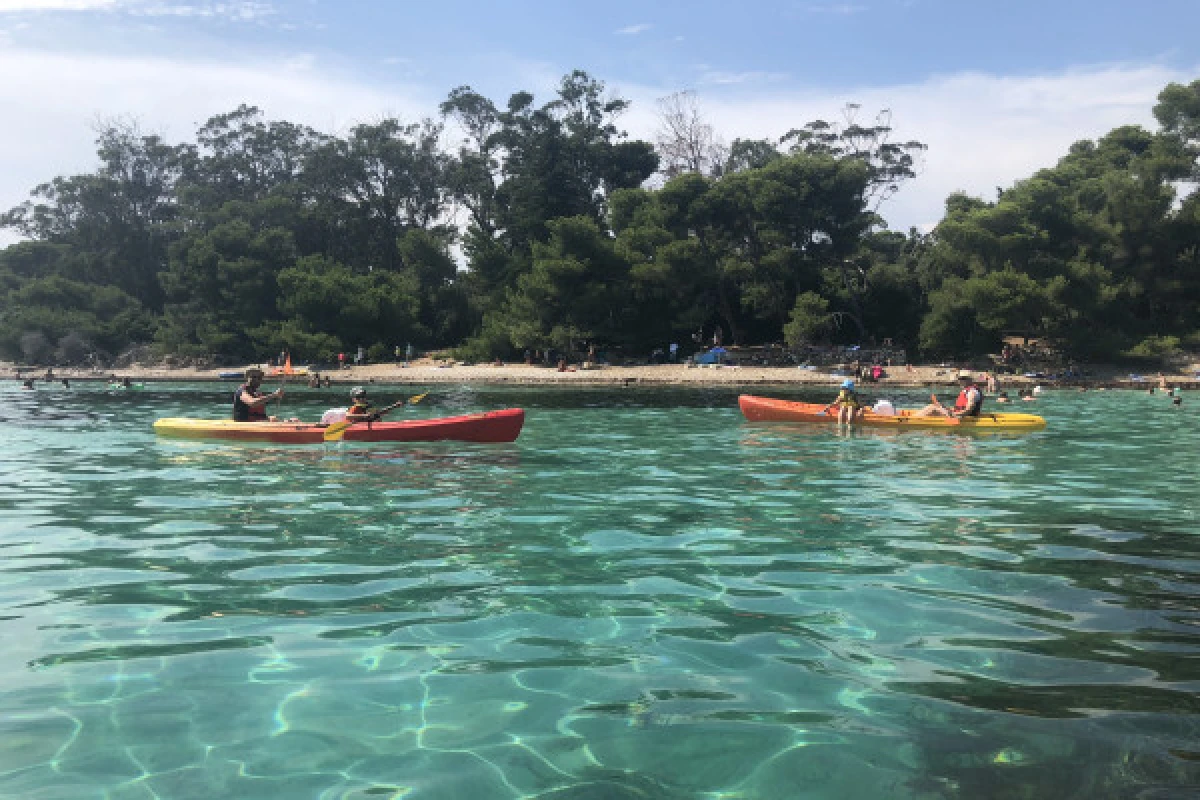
(847, 384)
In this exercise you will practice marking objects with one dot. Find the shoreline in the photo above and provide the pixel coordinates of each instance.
(426, 372)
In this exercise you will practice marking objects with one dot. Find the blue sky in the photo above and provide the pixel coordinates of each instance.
(997, 89)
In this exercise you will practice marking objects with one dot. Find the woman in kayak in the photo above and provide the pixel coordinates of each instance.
(968, 404)
(848, 405)
(250, 404)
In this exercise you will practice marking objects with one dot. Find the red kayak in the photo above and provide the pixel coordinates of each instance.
(492, 426)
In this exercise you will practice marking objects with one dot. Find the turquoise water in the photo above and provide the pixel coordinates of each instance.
(643, 597)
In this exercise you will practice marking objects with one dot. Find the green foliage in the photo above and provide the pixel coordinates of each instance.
(303, 344)
(1154, 350)
(576, 291)
(57, 314)
(265, 235)
(809, 319)
(322, 295)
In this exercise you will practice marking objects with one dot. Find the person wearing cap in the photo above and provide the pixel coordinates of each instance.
(848, 405)
(249, 403)
(968, 404)
(360, 409)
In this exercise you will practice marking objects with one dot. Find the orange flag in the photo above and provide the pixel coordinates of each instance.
(287, 365)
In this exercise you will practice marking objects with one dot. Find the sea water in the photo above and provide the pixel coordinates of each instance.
(645, 596)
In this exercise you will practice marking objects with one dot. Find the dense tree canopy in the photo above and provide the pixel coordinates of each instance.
(533, 224)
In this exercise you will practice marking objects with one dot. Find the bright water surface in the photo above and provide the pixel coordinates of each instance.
(643, 597)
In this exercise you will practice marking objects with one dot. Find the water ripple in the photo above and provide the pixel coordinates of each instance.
(644, 596)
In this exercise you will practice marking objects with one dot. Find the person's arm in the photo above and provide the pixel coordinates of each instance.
(361, 416)
(261, 400)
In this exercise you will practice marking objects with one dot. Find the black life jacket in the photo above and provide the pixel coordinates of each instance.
(243, 412)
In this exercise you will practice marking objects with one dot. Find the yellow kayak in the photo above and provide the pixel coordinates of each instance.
(766, 409)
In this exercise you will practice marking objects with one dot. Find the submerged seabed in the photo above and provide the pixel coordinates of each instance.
(643, 597)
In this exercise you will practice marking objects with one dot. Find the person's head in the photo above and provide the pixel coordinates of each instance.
(358, 394)
(965, 376)
(848, 384)
(1177, 400)
(1003, 394)
(254, 376)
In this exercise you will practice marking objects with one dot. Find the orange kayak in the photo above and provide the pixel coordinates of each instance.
(492, 426)
(766, 409)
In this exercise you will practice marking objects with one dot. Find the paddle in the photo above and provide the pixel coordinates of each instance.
(287, 370)
(412, 401)
(337, 430)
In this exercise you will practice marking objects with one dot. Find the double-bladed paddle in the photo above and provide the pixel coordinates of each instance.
(337, 430)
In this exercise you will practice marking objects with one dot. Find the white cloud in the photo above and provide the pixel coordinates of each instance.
(833, 8)
(983, 131)
(243, 10)
(730, 78)
(51, 112)
(633, 30)
(25, 6)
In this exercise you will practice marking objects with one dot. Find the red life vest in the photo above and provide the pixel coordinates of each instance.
(964, 400)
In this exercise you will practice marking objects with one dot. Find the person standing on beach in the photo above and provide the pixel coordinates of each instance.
(249, 403)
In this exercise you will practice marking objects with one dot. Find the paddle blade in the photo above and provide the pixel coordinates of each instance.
(336, 431)
(416, 398)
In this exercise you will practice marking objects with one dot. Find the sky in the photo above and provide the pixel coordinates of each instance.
(996, 88)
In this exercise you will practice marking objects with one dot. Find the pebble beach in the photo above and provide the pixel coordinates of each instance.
(426, 372)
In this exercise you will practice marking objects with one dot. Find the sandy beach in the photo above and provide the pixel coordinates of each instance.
(427, 372)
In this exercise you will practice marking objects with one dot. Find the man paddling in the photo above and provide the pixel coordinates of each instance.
(249, 403)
